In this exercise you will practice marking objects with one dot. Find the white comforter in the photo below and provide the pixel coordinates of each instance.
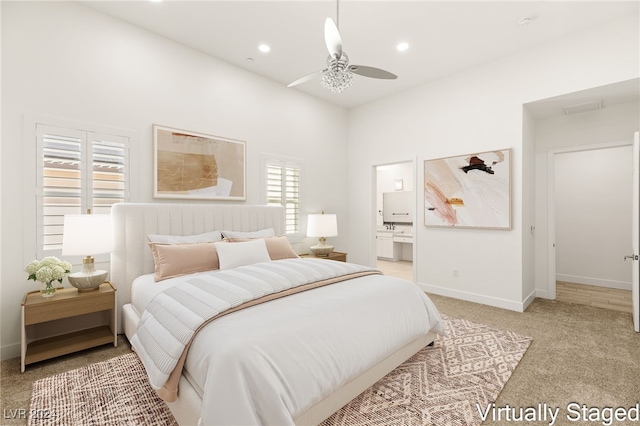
(267, 364)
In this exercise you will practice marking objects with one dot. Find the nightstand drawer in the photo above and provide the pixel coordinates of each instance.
(57, 309)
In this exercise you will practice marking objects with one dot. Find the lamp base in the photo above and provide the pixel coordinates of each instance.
(87, 282)
(321, 250)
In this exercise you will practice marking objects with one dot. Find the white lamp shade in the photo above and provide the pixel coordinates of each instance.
(322, 225)
(87, 234)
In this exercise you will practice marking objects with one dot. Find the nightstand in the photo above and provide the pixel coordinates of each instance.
(44, 322)
(334, 255)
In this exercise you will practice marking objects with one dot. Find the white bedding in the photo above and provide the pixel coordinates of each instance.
(268, 363)
(144, 288)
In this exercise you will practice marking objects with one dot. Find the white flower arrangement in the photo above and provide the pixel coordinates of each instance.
(48, 270)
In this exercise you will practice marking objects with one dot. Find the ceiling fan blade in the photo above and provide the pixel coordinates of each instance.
(371, 72)
(307, 78)
(332, 38)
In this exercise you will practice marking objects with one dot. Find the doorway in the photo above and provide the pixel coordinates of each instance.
(394, 238)
(589, 225)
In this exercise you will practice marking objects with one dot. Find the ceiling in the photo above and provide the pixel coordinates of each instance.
(444, 37)
(612, 94)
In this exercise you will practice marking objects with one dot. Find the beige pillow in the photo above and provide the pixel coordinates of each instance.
(173, 260)
(278, 247)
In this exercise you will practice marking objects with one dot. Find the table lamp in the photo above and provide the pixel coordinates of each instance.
(322, 226)
(87, 235)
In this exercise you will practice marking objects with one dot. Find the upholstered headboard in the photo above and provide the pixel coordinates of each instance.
(132, 222)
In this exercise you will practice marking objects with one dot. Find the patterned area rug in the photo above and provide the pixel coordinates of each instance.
(440, 385)
(107, 393)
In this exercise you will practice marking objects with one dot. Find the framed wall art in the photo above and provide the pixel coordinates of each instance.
(469, 191)
(193, 165)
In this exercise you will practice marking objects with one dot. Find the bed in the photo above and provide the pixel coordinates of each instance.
(380, 328)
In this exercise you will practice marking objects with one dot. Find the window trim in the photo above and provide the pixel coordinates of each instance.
(265, 159)
(32, 171)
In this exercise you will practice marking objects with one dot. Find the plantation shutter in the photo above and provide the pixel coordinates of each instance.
(79, 170)
(283, 188)
(109, 167)
(61, 175)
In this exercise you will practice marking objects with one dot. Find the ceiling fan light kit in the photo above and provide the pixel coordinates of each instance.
(337, 81)
(339, 74)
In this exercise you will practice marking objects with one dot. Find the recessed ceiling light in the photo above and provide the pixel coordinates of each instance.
(264, 48)
(525, 21)
(401, 47)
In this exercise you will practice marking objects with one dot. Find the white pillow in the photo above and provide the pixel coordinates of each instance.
(239, 254)
(207, 237)
(263, 233)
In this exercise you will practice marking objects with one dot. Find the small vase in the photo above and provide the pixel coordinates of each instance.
(48, 290)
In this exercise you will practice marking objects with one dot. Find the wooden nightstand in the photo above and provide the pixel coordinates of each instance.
(334, 255)
(42, 318)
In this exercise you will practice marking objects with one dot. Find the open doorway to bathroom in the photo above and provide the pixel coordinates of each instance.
(395, 211)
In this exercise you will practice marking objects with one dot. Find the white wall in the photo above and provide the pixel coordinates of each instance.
(593, 216)
(388, 174)
(64, 60)
(611, 124)
(477, 110)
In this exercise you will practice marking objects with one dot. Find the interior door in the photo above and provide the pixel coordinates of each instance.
(635, 234)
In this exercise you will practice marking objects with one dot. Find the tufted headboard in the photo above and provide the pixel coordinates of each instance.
(132, 222)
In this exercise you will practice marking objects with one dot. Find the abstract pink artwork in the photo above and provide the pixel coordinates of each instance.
(469, 191)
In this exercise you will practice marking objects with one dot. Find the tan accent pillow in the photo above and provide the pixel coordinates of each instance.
(173, 260)
(278, 247)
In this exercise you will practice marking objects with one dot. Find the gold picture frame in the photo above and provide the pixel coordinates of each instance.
(191, 165)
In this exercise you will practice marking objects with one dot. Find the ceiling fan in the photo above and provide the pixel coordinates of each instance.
(338, 74)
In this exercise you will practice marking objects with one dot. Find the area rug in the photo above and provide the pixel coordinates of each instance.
(440, 385)
(107, 393)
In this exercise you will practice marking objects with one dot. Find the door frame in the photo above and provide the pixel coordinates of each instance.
(635, 237)
(551, 203)
(374, 210)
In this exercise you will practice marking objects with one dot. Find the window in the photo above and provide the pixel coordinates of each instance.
(76, 170)
(283, 188)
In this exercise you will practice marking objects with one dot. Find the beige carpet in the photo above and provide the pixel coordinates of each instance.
(440, 385)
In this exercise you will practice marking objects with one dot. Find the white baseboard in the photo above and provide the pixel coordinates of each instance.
(10, 351)
(543, 294)
(478, 298)
(620, 285)
(527, 300)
